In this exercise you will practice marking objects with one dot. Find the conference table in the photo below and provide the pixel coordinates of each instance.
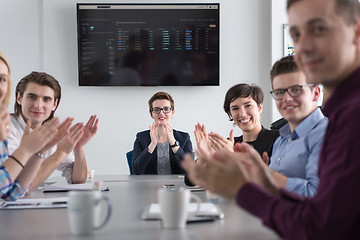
(129, 195)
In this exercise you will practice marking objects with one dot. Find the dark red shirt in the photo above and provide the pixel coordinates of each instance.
(334, 212)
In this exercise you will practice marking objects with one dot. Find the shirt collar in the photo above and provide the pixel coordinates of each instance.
(262, 131)
(5, 143)
(21, 122)
(304, 127)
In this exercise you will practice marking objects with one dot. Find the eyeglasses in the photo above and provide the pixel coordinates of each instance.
(293, 91)
(157, 110)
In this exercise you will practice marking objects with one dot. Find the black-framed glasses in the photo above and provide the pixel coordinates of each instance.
(157, 110)
(293, 91)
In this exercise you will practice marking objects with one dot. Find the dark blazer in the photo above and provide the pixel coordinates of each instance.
(144, 162)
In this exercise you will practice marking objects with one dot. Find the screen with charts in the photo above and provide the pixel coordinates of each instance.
(148, 44)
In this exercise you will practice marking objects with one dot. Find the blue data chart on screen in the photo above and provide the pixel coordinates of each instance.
(148, 44)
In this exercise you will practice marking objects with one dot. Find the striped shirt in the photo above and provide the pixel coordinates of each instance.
(9, 190)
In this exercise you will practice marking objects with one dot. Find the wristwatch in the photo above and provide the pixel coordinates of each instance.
(175, 144)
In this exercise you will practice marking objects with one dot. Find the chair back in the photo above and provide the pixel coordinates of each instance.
(278, 124)
(129, 160)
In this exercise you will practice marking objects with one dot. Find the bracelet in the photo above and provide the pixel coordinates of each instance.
(12, 157)
(41, 155)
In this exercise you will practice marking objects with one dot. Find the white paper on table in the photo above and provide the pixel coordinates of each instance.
(62, 187)
(58, 202)
(206, 209)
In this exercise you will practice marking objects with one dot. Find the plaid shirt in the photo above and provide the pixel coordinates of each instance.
(8, 190)
(4, 153)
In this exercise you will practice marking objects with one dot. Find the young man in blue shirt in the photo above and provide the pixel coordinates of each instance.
(294, 163)
(326, 35)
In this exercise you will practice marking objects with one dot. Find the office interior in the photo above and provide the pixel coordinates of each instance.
(41, 35)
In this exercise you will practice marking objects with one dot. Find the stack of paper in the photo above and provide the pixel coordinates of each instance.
(64, 187)
(59, 202)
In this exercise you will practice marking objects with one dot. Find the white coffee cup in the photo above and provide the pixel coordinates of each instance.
(174, 205)
(84, 211)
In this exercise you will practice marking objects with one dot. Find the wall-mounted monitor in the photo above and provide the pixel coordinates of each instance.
(148, 44)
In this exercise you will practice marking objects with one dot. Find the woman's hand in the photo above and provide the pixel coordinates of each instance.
(5, 126)
(153, 136)
(170, 134)
(219, 142)
(153, 133)
(202, 140)
(37, 139)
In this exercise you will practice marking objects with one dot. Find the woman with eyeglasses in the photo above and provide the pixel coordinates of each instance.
(161, 149)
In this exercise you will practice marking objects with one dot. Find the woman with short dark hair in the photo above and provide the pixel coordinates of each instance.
(244, 104)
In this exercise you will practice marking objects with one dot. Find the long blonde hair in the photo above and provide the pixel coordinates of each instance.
(8, 93)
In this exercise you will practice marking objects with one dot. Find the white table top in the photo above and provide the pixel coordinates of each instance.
(129, 196)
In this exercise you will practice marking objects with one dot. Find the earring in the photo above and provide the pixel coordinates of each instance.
(234, 125)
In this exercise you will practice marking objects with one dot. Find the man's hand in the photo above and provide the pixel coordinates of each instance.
(265, 158)
(89, 131)
(225, 172)
(254, 168)
(62, 130)
(217, 173)
(68, 143)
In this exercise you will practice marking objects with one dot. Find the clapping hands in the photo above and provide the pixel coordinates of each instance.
(218, 142)
(78, 135)
(89, 130)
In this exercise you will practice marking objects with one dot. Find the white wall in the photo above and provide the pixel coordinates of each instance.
(41, 35)
(278, 18)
